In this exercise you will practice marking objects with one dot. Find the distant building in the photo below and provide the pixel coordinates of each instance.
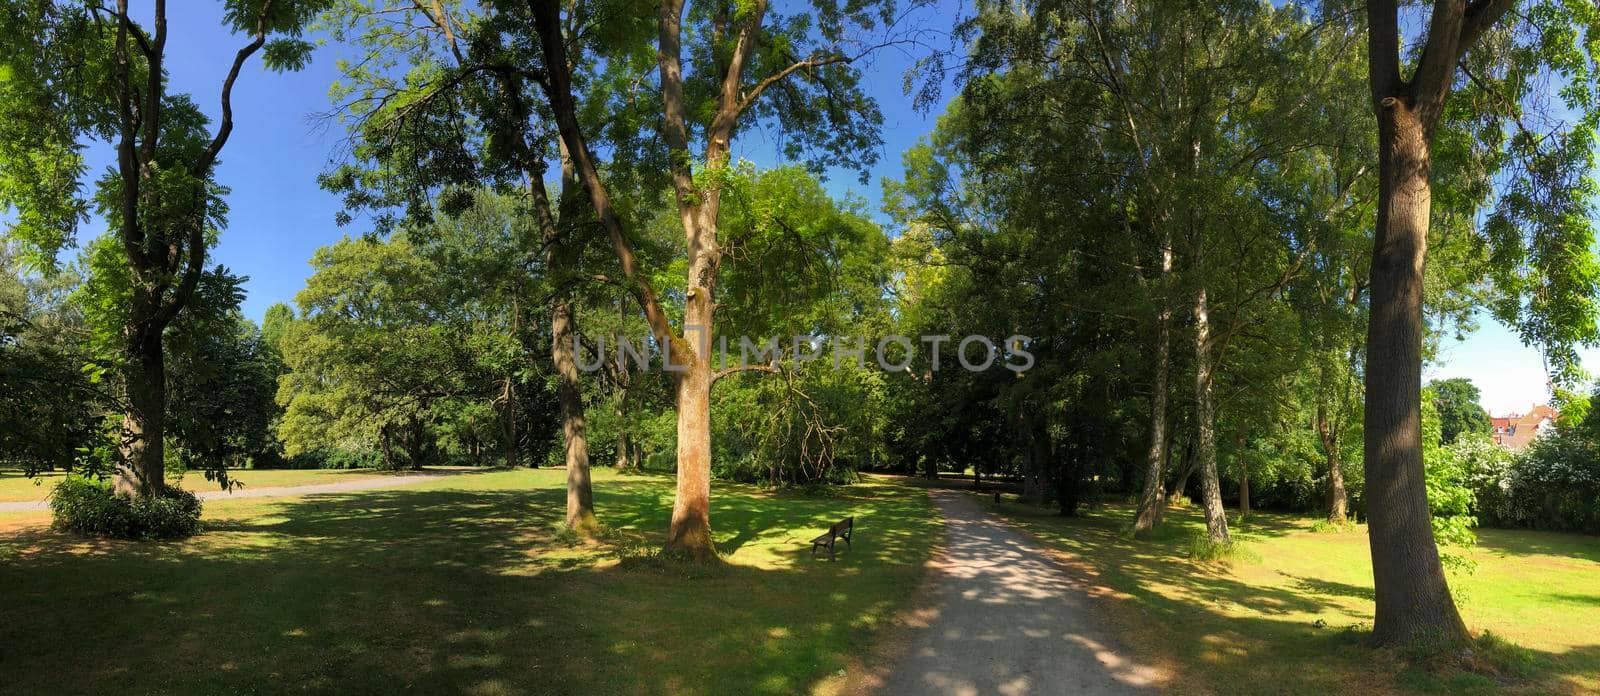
(1517, 430)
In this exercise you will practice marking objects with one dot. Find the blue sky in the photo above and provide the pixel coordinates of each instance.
(279, 216)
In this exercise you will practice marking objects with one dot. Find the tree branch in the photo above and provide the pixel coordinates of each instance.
(724, 372)
(807, 64)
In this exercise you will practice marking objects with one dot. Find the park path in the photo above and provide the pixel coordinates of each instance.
(280, 491)
(1008, 620)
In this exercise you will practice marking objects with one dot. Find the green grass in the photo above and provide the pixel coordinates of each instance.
(16, 487)
(461, 585)
(1289, 613)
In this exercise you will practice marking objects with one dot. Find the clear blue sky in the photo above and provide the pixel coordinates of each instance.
(279, 216)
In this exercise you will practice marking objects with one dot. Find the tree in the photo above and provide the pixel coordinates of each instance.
(50, 404)
(1540, 234)
(369, 360)
(464, 116)
(161, 200)
(748, 51)
(1459, 413)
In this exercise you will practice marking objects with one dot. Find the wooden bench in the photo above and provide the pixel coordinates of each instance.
(839, 530)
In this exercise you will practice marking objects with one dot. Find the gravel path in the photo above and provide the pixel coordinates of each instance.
(1008, 621)
(278, 491)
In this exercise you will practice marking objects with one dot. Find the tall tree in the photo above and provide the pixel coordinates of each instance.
(465, 116)
(742, 52)
(1459, 413)
(161, 200)
(1540, 235)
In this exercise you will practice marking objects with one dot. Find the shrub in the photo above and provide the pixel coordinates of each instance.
(1553, 485)
(333, 459)
(88, 506)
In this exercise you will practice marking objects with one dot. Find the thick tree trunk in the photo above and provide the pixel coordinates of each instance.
(1412, 596)
(1205, 423)
(1152, 502)
(1335, 497)
(690, 531)
(142, 470)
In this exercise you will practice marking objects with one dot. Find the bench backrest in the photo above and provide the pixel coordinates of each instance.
(842, 526)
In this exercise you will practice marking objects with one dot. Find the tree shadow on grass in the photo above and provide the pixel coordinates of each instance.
(458, 591)
(1329, 587)
(1240, 635)
(1528, 542)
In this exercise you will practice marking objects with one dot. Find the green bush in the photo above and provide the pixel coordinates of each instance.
(1553, 485)
(332, 459)
(88, 506)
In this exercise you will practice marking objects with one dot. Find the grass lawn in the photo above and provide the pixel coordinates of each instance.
(15, 487)
(1290, 615)
(461, 585)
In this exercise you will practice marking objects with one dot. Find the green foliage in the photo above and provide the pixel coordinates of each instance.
(1552, 485)
(334, 459)
(1451, 499)
(50, 398)
(1456, 400)
(87, 506)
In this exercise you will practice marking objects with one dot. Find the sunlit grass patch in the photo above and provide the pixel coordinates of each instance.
(463, 585)
(1292, 616)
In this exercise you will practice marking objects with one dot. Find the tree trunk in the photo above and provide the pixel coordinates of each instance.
(1152, 501)
(1335, 497)
(559, 254)
(623, 447)
(580, 493)
(690, 531)
(1033, 485)
(415, 444)
(619, 408)
(1413, 599)
(1068, 494)
(142, 471)
(387, 447)
(1205, 422)
(508, 423)
(1181, 488)
(1244, 488)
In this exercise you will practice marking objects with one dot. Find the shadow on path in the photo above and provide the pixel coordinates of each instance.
(1009, 621)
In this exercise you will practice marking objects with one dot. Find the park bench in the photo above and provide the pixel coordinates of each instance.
(839, 530)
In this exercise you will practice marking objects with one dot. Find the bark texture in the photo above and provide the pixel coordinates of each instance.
(1412, 595)
(1335, 499)
(1152, 501)
(561, 255)
(1205, 423)
(1413, 602)
(165, 257)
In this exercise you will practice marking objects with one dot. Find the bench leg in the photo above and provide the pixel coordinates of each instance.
(830, 551)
